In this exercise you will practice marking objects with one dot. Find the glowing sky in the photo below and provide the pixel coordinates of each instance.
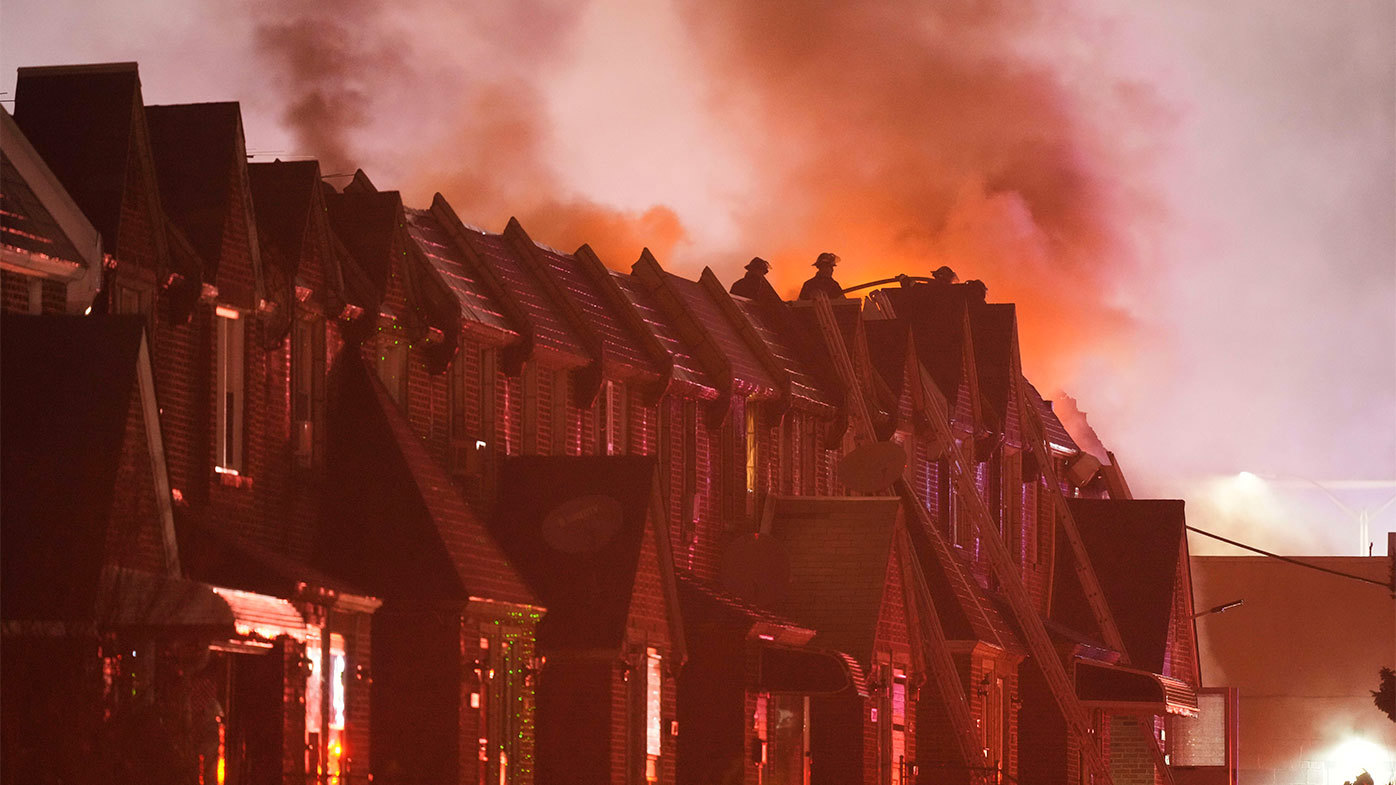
(1193, 203)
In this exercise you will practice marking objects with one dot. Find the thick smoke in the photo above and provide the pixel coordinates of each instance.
(493, 164)
(455, 88)
(907, 135)
(327, 66)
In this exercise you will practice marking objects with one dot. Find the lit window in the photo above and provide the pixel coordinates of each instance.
(898, 713)
(325, 691)
(752, 444)
(230, 380)
(654, 705)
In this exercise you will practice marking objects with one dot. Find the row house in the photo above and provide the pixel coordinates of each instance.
(454, 639)
(609, 526)
(168, 188)
(117, 666)
(1025, 469)
(560, 357)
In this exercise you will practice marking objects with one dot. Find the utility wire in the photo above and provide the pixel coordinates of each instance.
(1246, 547)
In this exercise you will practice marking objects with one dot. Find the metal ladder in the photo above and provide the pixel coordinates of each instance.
(1039, 644)
(939, 660)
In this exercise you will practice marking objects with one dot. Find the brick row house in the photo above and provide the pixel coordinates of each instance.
(549, 520)
(168, 190)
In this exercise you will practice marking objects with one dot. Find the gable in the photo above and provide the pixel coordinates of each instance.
(1134, 549)
(71, 430)
(589, 585)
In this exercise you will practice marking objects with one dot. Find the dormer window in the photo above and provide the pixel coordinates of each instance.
(230, 349)
(611, 419)
(307, 389)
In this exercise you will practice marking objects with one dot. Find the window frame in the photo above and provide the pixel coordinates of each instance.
(230, 390)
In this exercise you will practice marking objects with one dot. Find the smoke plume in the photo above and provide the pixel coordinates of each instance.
(907, 135)
(327, 67)
(455, 89)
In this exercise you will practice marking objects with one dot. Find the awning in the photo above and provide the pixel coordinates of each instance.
(261, 617)
(786, 661)
(136, 599)
(1122, 690)
(807, 671)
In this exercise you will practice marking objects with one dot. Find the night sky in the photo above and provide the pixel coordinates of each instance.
(1193, 203)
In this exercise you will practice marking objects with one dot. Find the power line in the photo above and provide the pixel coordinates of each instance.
(1246, 547)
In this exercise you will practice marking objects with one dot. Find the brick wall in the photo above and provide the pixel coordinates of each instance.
(14, 292)
(134, 533)
(136, 242)
(1131, 762)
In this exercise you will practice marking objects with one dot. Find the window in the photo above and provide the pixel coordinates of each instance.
(995, 721)
(898, 713)
(611, 419)
(229, 390)
(760, 723)
(654, 711)
(753, 457)
(504, 694)
(531, 388)
(949, 510)
(787, 740)
(558, 421)
(307, 389)
(689, 500)
(392, 365)
(1208, 739)
(325, 705)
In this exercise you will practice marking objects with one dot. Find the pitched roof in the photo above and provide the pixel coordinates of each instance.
(81, 120)
(551, 332)
(283, 192)
(1134, 546)
(392, 522)
(587, 593)
(994, 327)
(777, 329)
(477, 308)
(839, 550)
(1055, 431)
(967, 611)
(620, 348)
(42, 222)
(696, 592)
(887, 345)
(749, 376)
(222, 557)
(68, 386)
(936, 314)
(365, 223)
(689, 376)
(196, 147)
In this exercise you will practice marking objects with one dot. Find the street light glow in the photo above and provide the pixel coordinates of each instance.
(1356, 755)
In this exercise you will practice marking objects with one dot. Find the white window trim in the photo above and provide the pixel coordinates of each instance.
(231, 349)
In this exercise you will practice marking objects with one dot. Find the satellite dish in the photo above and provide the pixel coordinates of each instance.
(755, 568)
(872, 467)
(584, 524)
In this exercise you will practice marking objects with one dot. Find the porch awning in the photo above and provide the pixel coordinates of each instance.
(807, 671)
(136, 599)
(262, 617)
(1122, 690)
(787, 663)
